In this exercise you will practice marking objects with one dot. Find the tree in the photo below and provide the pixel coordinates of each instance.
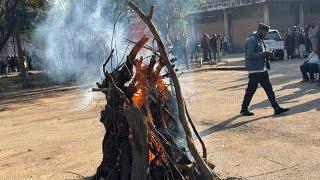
(6, 24)
(171, 14)
(19, 16)
(28, 13)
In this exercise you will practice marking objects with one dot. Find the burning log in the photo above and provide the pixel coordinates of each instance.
(147, 131)
(182, 113)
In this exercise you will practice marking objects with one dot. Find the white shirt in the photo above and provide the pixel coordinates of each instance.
(313, 58)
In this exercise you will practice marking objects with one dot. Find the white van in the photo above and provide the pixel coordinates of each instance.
(274, 43)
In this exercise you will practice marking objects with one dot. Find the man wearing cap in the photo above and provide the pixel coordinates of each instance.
(255, 63)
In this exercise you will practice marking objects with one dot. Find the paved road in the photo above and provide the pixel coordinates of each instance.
(262, 146)
(53, 136)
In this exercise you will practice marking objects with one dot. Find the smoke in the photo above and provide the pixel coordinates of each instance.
(76, 37)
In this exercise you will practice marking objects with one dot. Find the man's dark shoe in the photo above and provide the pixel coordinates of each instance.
(280, 111)
(304, 80)
(245, 112)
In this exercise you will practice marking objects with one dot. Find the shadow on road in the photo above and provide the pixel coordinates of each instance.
(234, 88)
(227, 124)
(303, 89)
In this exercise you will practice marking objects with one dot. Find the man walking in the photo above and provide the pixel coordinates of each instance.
(255, 62)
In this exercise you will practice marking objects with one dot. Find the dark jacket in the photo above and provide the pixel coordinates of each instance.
(254, 57)
(204, 42)
(290, 44)
(213, 43)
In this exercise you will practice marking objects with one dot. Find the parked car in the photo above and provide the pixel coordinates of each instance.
(275, 44)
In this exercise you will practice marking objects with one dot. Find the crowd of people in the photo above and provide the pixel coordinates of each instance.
(10, 64)
(305, 42)
(212, 48)
(301, 41)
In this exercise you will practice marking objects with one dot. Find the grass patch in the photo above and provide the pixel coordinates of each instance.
(14, 82)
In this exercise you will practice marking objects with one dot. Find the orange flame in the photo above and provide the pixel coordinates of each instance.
(145, 80)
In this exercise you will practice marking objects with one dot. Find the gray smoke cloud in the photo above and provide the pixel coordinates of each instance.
(76, 37)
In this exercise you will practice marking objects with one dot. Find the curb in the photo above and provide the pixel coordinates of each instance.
(11, 95)
(217, 68)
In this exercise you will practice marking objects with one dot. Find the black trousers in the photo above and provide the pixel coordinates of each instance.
(310, 68)
(255, 79)
(194, 54)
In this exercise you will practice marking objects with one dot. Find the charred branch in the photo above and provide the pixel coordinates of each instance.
(204, 168)
(147, 124)
(139, 130)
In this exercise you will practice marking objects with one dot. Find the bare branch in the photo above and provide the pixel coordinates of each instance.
(105, 63)
(151, 12)
(203, 167)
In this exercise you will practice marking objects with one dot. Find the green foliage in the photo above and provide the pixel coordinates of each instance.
(170, 15)
(3, 16)
(29, 12)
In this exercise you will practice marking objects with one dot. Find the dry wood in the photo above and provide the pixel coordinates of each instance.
(139, 129)
(203, 167)
(106, 62)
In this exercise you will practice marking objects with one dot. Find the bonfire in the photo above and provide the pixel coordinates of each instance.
(148, 134)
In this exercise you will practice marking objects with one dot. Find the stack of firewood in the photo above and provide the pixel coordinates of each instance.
(145, 118)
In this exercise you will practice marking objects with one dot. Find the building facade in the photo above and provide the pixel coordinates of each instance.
(239, 18)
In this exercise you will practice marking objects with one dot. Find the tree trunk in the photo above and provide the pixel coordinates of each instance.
(16, 32)
(22, 68)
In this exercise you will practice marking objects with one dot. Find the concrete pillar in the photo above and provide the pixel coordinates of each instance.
(301, 14)
(266, 13)
(226, 23)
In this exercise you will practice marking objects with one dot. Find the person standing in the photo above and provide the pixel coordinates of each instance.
(318, 42)
(290, 45)
(225, 43)
(176, 46)
(219, 47)
(193, 45)
(255, 63)
(301, 43)
(213, 46)
(184, 49)
(307, 39)
(318, 52)
(2, 67)
(313, 36)
(296, 41)
(205, 47)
